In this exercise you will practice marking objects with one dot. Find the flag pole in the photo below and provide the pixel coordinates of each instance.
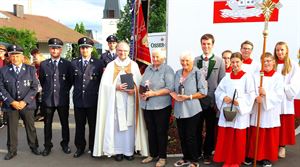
(267, 8)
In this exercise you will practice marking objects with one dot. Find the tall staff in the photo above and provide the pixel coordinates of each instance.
(267, 8)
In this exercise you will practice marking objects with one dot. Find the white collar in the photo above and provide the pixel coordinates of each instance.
(122, 63)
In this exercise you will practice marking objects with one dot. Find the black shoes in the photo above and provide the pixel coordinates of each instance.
(46, 151)
(129, 158)
(36, 151)
(78, 153)
(119, 157)
(10, 155)
(66, 149)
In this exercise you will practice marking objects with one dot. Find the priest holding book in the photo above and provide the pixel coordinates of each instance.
(120, 128)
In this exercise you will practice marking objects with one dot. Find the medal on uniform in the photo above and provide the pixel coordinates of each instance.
(26, 83)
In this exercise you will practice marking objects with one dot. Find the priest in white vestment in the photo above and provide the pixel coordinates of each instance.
(120, 127)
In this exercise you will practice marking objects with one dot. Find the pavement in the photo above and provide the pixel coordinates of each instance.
(59, 159)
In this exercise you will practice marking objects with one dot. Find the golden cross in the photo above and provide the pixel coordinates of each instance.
(267, 8)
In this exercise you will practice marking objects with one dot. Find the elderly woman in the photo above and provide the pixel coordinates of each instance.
(187, 107)
(157, 83)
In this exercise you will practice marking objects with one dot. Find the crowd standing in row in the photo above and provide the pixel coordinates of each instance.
(126, 118)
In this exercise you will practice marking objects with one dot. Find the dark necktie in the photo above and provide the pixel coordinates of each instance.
(17, 70)
(85, 64)
(54, 64)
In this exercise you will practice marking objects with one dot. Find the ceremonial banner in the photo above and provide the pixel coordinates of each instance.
(233, 11)
(142, 50)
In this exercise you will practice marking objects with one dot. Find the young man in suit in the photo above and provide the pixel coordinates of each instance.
(213, 68)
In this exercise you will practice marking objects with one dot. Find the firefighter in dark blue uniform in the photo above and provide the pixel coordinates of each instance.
(87, 73)
(18, 87)
(56, 81)
(110, 54)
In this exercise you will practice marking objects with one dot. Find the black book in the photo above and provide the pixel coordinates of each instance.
(127, 78)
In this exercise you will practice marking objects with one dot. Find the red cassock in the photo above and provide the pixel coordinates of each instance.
(267, 143)
(287, 130)
(231, 145)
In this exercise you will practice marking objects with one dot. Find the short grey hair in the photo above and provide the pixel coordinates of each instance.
(187, 55)
(161, 52)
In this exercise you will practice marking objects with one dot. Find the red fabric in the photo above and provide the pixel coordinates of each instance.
(269, 74)
(229, 69)
(247, 61)
(280, 61)
(2, 63)
(221, 5)
(268, 143)
(231, 146)
(142, 52)
(238, 75)
(287, 130)
(297, 108)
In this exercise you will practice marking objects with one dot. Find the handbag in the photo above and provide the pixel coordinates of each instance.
(204, 102)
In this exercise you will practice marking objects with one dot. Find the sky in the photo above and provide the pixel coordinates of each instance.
(67, 12)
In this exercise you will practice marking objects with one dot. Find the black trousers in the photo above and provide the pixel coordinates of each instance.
(208, 116)
(157, 123)
(12, 129)
(81, 115)
(40, 109)
(187, 130)
(63, 113)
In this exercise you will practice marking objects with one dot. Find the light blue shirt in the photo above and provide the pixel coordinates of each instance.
(161, 78)
(189, 108)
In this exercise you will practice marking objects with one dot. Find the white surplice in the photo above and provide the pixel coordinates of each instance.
(291, 88)
(270, 107)
(120, 127)
(245, 96)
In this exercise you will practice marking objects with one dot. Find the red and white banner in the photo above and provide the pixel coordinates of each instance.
(234, 11)
(142, 52)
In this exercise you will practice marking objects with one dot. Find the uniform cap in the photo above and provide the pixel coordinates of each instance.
(85, 42)
(55, 42)
(112, 38)
(14, 49)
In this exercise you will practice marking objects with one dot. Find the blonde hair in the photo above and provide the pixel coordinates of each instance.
(287, 66)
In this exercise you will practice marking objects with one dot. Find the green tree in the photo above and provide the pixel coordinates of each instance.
(74, 52)
(80, 28)
(157, 19)
(123, 32)
(157, 16)
(24, 38)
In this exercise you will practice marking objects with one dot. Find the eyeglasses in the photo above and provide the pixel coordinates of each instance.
(226, 58)
(247, 48)
(267, 61)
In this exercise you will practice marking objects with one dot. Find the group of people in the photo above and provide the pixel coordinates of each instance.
(126, 118)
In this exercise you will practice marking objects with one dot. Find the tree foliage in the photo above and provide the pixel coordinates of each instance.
(74, 52)
(123, 32)
(24, 38)
(157, 16)
(80, 28)
(157, 19)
